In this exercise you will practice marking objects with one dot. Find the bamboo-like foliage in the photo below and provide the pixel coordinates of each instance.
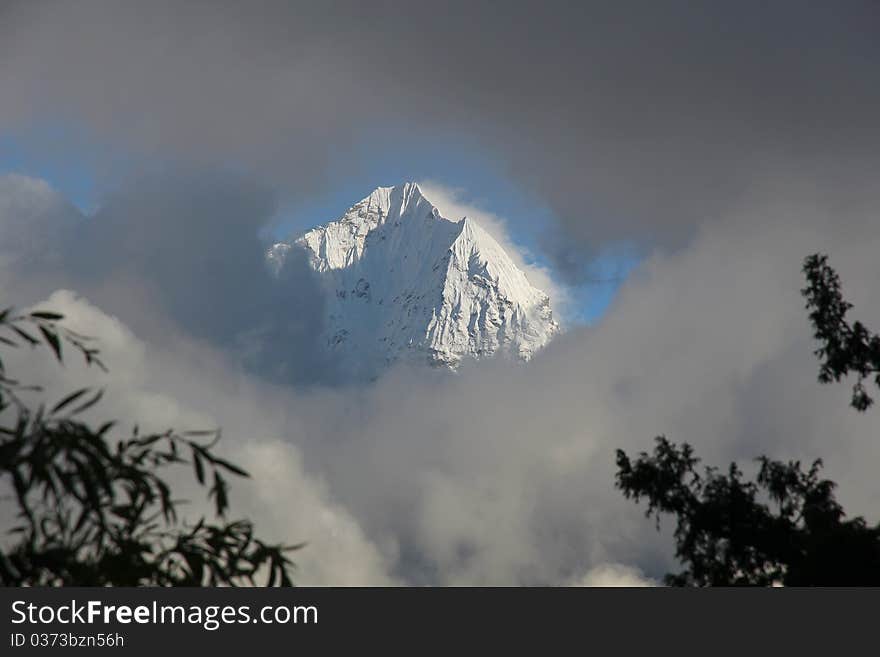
(91, 510)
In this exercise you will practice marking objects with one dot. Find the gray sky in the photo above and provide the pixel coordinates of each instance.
(631, 119)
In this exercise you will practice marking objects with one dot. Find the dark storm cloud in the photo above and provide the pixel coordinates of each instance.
(193, 240)
(632, 119)
(177, 251)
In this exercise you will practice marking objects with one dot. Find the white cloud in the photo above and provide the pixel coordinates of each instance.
(503, 474)
(614, 575)
(184, 385)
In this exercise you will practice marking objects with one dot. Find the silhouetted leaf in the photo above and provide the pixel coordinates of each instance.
(25, 335)
(94, 399)
(199, 467)
(231, 467)
(72, 397)
(52, 340)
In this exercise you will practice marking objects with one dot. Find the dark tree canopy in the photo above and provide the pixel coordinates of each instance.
(785, 527)
(93, 511)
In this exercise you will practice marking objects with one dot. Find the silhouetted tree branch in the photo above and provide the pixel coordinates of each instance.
(843, 348)
(91, 512)
(786, 527)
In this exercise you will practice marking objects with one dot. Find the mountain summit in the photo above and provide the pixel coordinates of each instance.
(402, 281)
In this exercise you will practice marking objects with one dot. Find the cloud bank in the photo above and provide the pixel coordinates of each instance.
(503, 474)
(614, 575)
(181, 383)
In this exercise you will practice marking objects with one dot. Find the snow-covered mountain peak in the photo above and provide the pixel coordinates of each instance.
(384, 202)
(402, 281)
